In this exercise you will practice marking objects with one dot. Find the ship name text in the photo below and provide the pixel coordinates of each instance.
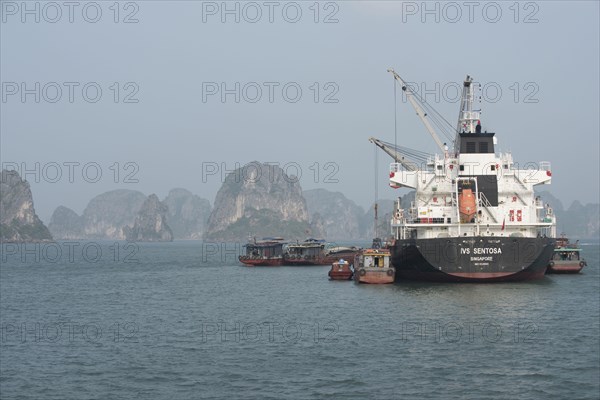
(481, 250)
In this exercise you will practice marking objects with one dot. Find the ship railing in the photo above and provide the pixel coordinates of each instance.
(545, 166)
(437, 220)
(506, 163)
(395, 167)
(470, 115)
(485, 203)
(539, 203)
(508, 171)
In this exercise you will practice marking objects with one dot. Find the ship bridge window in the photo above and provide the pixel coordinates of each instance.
(461, 167)
(470, 147)
(439, 167)
(483, 147)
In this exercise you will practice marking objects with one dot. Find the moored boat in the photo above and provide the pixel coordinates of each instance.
(264, 253)
(340, 271)
(309, 252)
(374, 266)
(475, 217)
(335, 253)
(566, 258)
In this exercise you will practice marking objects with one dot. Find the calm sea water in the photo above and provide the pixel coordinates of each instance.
(182, 320)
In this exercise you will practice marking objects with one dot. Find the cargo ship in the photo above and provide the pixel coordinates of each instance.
(475, 217)
(267, 252)
(566, 258)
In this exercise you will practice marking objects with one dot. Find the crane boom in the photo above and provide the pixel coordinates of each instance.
(395, 154)
(422, 114)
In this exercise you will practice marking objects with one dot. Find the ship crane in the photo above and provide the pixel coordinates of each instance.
(422, 114)
(408, 158)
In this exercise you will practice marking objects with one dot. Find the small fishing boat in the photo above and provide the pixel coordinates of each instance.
(373, 266)
(566, 258)
(340, 271)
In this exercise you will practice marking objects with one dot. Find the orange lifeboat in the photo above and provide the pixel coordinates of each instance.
(466, 206)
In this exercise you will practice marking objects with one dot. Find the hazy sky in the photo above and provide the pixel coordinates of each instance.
(188, 91)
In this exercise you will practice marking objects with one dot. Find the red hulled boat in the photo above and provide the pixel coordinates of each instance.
(374, 266)
(266, 252)
(309, 252)
(566, 258)
(340, 271)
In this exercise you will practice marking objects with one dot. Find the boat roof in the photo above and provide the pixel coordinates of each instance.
(341, 262)
(265, 244)
(308, 243)
(376, 252)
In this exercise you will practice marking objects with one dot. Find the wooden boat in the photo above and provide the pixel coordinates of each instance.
(340, 271)
(373, 266)
(266, 252)
(309, 252)
(333, 254)
(566, 258)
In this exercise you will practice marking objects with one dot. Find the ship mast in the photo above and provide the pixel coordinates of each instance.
(468, 118)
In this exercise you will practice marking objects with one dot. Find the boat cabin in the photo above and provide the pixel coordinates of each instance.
(311, 248)
(376, 258)
(566, 254)
(265, 249)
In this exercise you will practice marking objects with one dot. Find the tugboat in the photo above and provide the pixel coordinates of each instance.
(263, 253)
(309, 252)
(475, 217)
(566, 258)
(373, 265)
(340, 271)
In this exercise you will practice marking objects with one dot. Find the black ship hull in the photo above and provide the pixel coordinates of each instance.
(472, 259)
